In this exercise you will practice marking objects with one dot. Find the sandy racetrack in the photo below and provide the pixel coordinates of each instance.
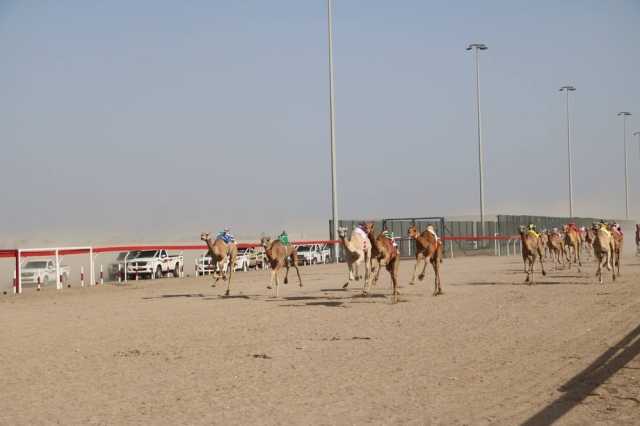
(491, 350)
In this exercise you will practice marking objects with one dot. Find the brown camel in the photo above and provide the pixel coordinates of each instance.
(386, 254)
(219, 252)
(618, 240)
(531, 249)
(604, 248)
(589, 238)
(357, 250)
(428, 249)
(572, 243)
(280, 255)
(555, 244)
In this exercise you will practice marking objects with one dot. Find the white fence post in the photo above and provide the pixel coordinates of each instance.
(58, 280)
(92, 272)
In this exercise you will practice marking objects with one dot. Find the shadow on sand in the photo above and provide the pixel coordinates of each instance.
(169, 296)
(521, 283)
(584, 383)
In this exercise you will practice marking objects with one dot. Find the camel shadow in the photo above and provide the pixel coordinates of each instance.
(522, 283)
(327, 303)
(169, 296)
(588, 380)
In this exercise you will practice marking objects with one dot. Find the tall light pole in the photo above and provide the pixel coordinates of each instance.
(568, 89)
(624, 115)
(477, 47)
(332, 124)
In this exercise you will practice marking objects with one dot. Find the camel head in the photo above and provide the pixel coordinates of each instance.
(265, 241)
(369, 226)
(342, 232)
(412, 231)
(205, 236)
(523, 229)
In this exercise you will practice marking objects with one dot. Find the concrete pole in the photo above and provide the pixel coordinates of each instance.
(332, 124)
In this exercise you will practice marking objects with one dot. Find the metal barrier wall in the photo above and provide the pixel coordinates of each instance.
(466, 237)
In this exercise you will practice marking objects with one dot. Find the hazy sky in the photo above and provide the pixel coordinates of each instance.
(159, 119)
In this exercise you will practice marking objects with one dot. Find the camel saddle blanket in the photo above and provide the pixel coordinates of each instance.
(364, 236)
(533, 233)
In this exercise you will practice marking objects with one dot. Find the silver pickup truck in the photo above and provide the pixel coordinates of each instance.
(154, 264)
(42, 272)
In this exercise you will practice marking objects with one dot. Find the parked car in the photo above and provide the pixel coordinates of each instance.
(310, 254)
(43, 272)
(154, 264)
(246, 259)
(118, 265)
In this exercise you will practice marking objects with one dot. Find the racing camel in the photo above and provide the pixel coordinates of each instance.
(279, 256)
(587, 240)
(428, 249)
(531, 250)
(604, 248)
(555, 244)
(618, 243)
(386, 254)
(572, 243)
(221, 252)
(357, 251)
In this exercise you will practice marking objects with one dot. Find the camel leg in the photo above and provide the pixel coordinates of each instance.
(599, 271)
(357, 271)
(350, 277)
(273, 278)
(424, 267)
(415, 270)
(277, 282)
(532, 262)
(286, 275)
(392, 267)
(298, 273)
(435, 262)
(541, 263)
(367, 269)
(233, 266)
(375, 272)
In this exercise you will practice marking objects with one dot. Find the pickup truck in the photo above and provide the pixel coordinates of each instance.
(154, 264)
(247, 258)
(310, 254)
(117, 267)
(42, 272)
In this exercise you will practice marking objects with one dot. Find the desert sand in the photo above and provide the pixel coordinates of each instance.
(491, 350)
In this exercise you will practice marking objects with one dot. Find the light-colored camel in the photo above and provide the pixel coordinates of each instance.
(618, 240)
(555, 244)
(221, 253)
(279, 256)
(544, 236)
(357, 251)
(383, 253)
(531, 250)
(428, 250)
(604, 248)
(572, 244)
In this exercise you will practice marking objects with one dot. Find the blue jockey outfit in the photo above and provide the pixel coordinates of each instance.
(226, 237)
